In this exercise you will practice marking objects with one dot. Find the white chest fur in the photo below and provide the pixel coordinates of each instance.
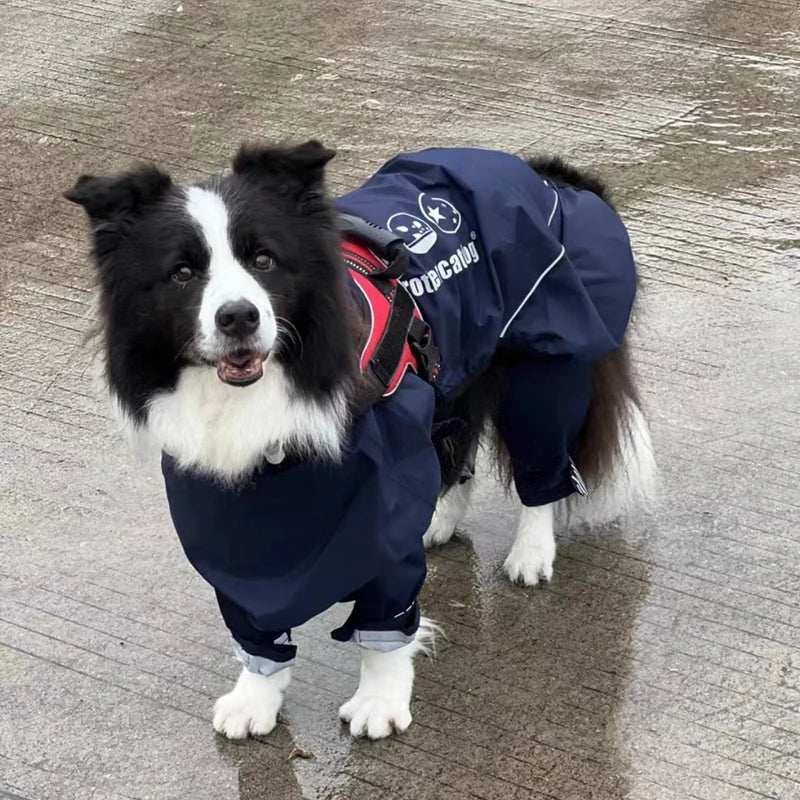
(226, 431)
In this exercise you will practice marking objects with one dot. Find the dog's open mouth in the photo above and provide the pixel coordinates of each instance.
(242, 367)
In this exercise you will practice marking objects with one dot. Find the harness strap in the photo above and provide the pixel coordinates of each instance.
(389, 352)
(399, 339)
(388, 246)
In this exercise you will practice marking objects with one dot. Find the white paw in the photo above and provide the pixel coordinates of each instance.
(534, 549)
(252, 707)
(238, 720)
(376, 716)
(528, 563)
(450, 511)
(440, 531)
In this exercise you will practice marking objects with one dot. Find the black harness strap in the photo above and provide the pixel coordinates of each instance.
(390, 348)
(389, 247)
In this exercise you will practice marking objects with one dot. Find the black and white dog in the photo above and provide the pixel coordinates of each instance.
(232, 336)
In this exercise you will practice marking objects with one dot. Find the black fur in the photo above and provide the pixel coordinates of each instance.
(559, 172)
(141, 233)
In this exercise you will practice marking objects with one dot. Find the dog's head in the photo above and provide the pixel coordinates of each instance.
(223, 274)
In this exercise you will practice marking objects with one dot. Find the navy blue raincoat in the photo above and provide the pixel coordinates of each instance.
(502, 259)
(499, 259)
(300, 536)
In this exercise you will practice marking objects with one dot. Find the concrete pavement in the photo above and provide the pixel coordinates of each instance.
(664, 660)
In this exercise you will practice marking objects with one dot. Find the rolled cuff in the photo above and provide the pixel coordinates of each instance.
(382, 637)
(281, 658)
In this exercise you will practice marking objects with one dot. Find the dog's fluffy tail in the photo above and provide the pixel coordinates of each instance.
(615, 452)
(630, 483)
(557, 170)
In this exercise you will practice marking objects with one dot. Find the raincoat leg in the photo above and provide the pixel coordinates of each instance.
(386, 613)
(264, 652)
(539, 420)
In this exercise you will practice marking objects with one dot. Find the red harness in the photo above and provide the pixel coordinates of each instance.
(398, 336)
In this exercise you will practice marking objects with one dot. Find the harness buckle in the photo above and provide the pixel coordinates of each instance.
(429, 360)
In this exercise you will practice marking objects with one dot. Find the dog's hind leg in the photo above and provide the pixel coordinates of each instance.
(450, 511)
(534, 549)
(538, 422)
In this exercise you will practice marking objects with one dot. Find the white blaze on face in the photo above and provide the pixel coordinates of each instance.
(228, 280)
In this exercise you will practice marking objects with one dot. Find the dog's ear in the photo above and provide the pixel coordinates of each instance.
(303, 164)
(119, 196)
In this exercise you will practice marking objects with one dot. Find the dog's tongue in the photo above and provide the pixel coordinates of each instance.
(239, 368)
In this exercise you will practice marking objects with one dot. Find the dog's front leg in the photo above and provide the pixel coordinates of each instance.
(382, 702)
(253, 705)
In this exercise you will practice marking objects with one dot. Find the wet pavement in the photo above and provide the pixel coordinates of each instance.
(664, 660)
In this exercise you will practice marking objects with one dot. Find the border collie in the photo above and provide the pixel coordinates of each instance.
(234, 336)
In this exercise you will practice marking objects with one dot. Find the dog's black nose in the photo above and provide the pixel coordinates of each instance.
(238, 318)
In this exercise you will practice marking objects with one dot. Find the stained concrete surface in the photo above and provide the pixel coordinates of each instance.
(663, 662)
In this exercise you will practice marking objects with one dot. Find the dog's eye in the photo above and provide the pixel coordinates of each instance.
(182, 273)
(263, 261)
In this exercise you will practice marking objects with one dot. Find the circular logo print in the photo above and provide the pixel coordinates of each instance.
(442, 213)
(415, 232)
